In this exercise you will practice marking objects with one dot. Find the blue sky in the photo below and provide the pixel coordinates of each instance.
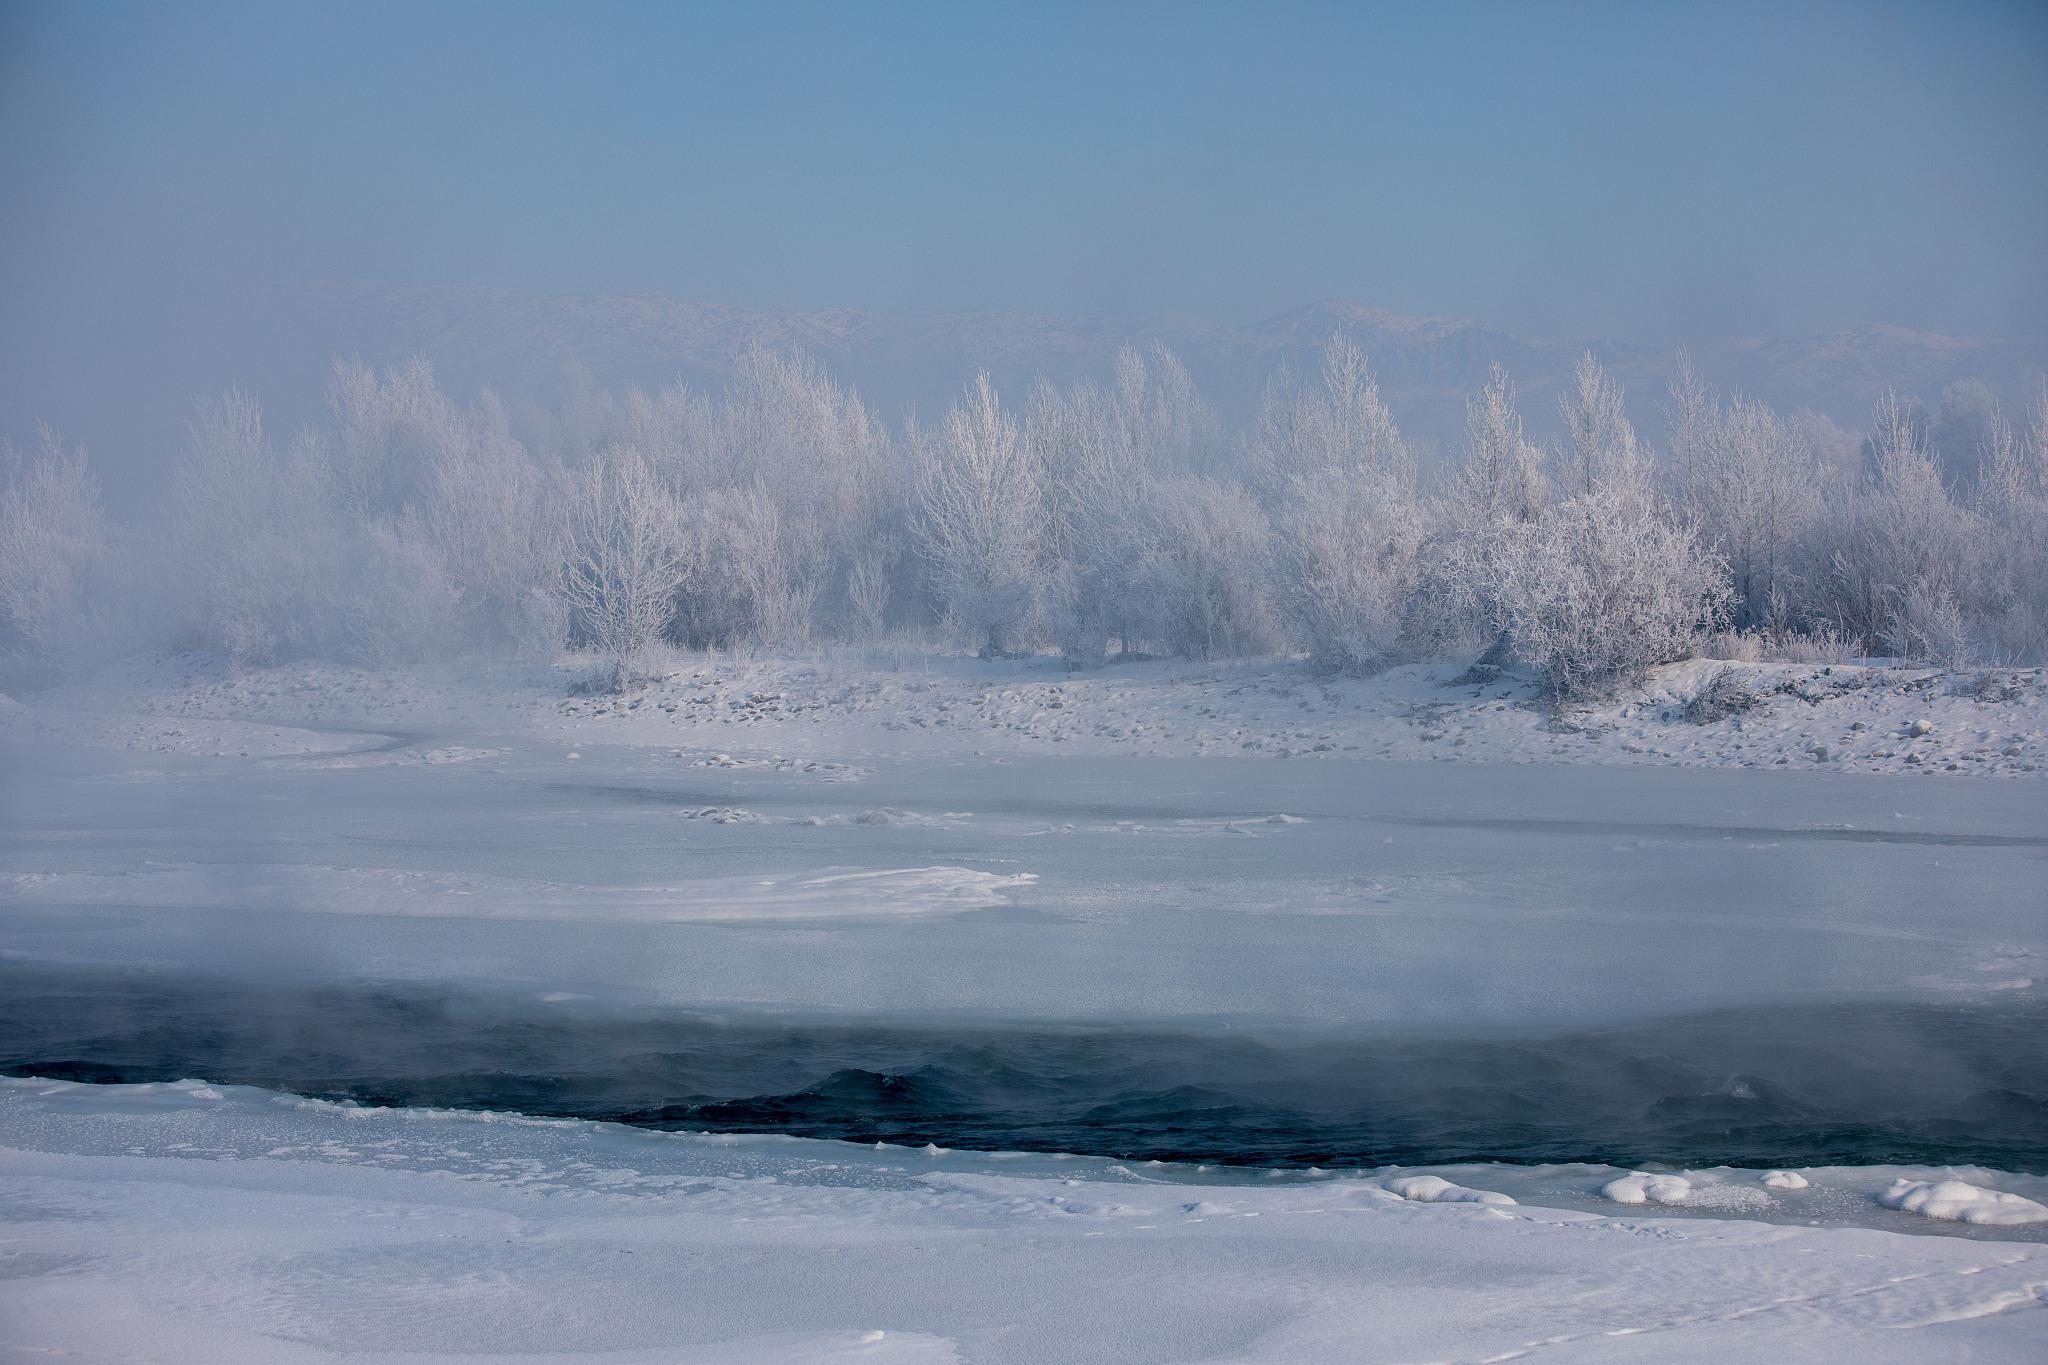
(1657, 170)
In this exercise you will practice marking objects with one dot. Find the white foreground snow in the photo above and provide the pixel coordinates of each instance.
(222, 1226)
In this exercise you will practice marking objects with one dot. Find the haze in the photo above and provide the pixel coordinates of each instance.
(176, 175)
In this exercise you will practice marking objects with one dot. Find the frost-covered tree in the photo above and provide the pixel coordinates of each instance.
(1753, 489)
(1498, 489)
(1606, 587)
(628, 556)
(1597, 435)
(981, 519)
(813, 466)
(1104, 454)
(2012, 503)
(1963, 429)
(1899, 544)
(54, 542)
(1348, 527)
(1689, 420)
(256, 548)
(1501, 482)
(1205, 572)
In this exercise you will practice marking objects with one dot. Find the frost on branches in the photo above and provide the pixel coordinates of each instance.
(1109, 518)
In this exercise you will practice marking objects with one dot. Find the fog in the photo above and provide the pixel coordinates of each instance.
(1023, 683)
(183, 185)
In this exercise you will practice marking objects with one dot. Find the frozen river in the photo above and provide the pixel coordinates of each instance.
(1256, 995)
(1234, 959)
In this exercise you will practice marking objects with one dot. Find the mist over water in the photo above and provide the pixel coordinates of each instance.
(1794, 1085)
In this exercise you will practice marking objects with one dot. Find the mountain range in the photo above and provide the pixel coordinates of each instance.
(1427, 366)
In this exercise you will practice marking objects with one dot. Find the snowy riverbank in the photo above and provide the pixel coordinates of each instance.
(1862, 718)
(197, 1224)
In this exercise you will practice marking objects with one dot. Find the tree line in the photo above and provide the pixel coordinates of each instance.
(1097, 518)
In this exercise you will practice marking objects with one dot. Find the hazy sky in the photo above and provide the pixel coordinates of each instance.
(1649, 169)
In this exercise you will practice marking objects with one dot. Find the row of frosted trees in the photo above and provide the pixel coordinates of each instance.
(780, 512)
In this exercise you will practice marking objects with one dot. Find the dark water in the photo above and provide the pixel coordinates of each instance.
(1846, 1083)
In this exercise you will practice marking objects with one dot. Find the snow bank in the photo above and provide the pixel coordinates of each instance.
(1640, 1187)
(1958, 1201)
(1434, 1189)
(251, 1229)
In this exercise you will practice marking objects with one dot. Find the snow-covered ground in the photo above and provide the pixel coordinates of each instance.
(1209, 849)
(220, 1226)
(1704, 713)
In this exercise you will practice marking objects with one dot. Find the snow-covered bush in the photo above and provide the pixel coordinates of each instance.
(1605, 587)
(1726, 693)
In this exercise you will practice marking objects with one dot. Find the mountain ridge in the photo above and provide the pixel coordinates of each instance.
(915, 362)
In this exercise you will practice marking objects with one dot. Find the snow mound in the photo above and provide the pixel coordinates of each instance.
(1434, 1189)
(1783, 1180)
(1640, 1187)
(1958, 1201)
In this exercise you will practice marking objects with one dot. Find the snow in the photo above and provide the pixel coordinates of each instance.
(1242, 848)
(166, 1223)
(1434, 1189)
(1961, 1202)
(1639, 1187)
(1848, 717)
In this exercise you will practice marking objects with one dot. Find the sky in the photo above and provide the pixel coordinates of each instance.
(1659, 171)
